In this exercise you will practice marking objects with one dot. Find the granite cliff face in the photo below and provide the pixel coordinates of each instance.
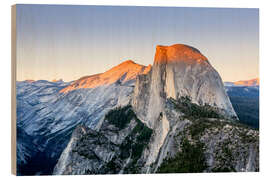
(178, 71)
(48, 112)
(198, 140)
(116, 147)
(180, 119)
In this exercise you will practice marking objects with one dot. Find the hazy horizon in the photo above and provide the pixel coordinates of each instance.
(57, 79)
(68, 42)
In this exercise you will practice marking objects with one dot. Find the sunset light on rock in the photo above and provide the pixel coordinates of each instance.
(123, 72)
(134, 89)
(178, 52)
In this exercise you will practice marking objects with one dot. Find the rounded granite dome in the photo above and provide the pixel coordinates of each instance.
(178, 52)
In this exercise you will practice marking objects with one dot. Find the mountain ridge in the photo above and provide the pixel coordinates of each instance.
(124, 72)
(249, 82)
(166, 130)
(131, 118)
(49, 116)
(178, 52)
(180, 77)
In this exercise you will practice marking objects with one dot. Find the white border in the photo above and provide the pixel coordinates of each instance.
(5, 94)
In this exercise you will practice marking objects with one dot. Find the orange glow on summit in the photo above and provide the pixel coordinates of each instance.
(251, 82)
(125, 71)
(177, 53)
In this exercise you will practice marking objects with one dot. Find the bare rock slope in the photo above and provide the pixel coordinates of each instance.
(178, 71)
(180, 120)
(48, 112)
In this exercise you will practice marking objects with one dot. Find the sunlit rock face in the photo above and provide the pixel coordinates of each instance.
(178, 71)
(123, 73)
(168, 126)
(178, 53)
(48, 112)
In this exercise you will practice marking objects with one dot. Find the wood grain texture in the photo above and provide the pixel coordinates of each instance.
(13, 90)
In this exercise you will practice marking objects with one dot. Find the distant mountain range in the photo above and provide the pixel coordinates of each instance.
(251, 82)
(244, 96)
(48, 111)
(245, 101)
(129, 70)
(139, 119)
(179, 119)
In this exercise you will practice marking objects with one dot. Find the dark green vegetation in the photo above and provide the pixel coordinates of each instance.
(190, 159)
(131, 147)
(200, 125)
(85, 143)
(120, 116)
(225, 158)
(134, 144)
(193, 110)
(247, 110)
(245, 101)
(192, 155)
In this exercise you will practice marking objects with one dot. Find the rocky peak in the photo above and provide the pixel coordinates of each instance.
(127, 62)
(178, 53)
(124, 72)
(178, 71)
(178, 115)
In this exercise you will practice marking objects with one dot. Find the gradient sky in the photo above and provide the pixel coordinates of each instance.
(68, 42)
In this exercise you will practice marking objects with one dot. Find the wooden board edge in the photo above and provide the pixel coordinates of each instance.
(13, 91)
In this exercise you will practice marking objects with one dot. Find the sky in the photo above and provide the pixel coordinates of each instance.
(68, 42)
